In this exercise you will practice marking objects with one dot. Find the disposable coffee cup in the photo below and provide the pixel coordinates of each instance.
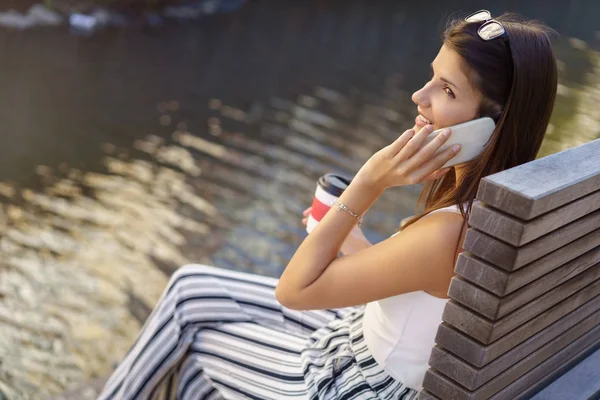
(329, 188)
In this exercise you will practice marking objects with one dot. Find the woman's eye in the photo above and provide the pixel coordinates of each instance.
(449, 92)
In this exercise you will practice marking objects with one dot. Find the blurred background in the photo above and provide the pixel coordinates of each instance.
(140, 135)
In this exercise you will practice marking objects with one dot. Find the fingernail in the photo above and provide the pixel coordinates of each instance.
(456, 148)
(446, 132)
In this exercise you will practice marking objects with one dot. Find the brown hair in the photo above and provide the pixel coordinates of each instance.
(517, 79)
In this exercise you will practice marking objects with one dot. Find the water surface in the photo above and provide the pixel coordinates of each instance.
(133, 151)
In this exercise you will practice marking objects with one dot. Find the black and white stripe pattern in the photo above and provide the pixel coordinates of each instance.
(220, 334)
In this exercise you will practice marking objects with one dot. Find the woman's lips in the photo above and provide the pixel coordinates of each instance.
(421, 120)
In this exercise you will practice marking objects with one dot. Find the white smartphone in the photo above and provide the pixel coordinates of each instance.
(472, 136)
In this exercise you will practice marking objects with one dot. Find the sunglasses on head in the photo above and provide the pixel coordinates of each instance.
(490, 29)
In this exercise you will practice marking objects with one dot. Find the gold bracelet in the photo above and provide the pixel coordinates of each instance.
(341, 206)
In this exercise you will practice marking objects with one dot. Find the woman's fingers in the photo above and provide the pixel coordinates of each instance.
(412, 146)
(431, 169)
(426, 152)
(409, 159)
(305, 214)
(401, 142)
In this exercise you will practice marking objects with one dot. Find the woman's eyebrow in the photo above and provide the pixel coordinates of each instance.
(445, 80)
(449, 83)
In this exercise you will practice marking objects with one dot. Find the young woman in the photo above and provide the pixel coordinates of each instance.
(370, 317)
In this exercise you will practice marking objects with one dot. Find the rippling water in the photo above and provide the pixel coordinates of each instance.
(85, 257)
(131, 153)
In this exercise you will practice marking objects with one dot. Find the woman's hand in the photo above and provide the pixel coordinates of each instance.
(355, 241)
(305, 214)
(403, 163)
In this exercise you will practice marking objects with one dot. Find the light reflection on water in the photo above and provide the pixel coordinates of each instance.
(72, 262)
(86, 257)
(576, 117)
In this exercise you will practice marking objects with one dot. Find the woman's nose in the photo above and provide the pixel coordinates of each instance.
(420, 98)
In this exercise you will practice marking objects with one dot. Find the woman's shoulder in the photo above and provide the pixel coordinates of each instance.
(454, 208)
(414, 244)
(444, 216)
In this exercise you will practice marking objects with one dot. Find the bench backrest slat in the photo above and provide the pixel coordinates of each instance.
(540, 186)
(525, 301)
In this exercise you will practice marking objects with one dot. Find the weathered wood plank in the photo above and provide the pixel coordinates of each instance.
(490, 249)
(515, 379)
(554, 337)
(511, 258)
(484, 274)
(579, 290)
(494, 307)
(542, 185)
(483, 302)
(480, 354)
(581, 382)
(552, 368)
(502, 283)
(518, 232)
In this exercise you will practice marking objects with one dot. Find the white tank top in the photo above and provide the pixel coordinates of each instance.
(400, 331)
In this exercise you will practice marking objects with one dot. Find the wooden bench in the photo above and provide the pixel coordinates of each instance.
(525, 301)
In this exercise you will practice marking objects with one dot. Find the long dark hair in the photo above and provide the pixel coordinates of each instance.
(517, 79)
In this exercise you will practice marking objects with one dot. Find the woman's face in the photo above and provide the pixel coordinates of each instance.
(448, 98)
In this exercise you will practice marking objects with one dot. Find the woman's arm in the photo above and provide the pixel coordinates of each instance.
(356, 240)
(324, 243)
(316, 278)
(421, 257)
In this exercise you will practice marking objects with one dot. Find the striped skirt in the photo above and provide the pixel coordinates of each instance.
(220, 334)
